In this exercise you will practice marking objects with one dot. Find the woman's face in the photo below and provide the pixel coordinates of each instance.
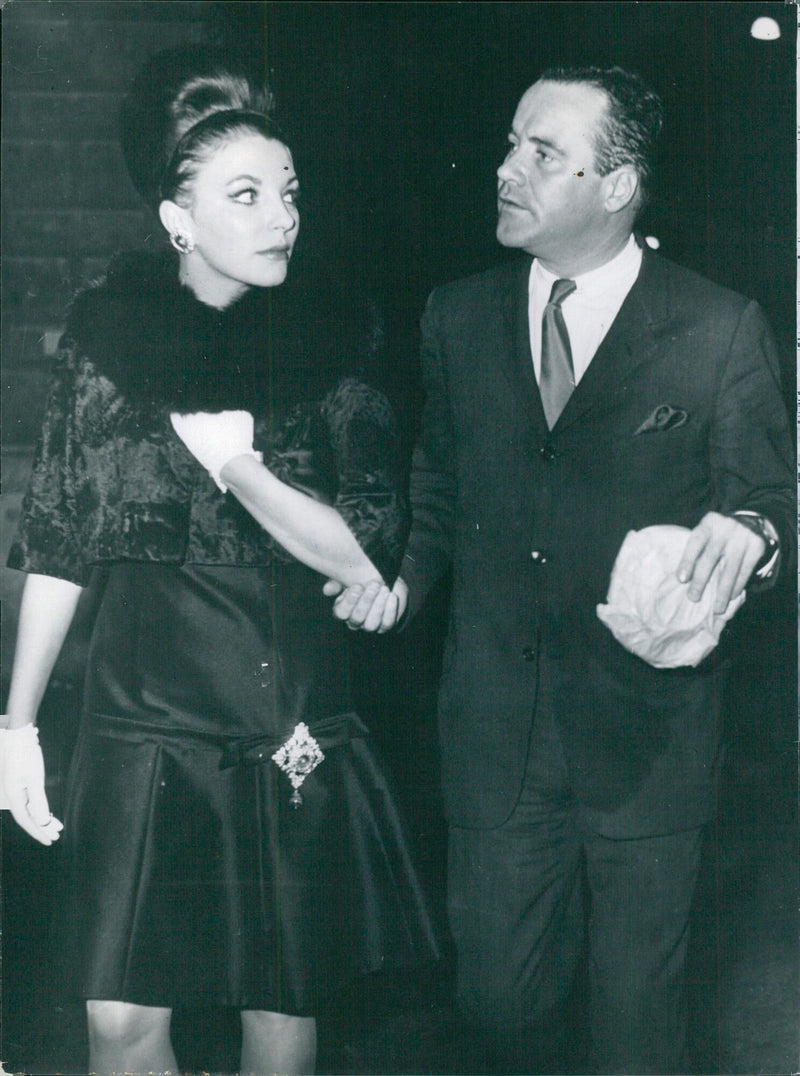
(242, 219)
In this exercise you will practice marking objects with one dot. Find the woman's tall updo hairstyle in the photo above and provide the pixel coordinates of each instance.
(183, 104)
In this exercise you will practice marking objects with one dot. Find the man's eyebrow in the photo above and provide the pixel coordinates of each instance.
(536, 139)
(545, 143)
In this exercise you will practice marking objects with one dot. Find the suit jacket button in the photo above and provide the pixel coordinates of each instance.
(529, 653)
(548, 453)
(538, 556)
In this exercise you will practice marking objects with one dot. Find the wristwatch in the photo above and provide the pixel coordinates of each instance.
(761, 526)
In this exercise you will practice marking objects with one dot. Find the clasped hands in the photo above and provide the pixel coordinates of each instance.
(719, 547)
(369, 606)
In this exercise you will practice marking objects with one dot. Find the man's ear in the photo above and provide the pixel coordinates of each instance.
(175, 219)
(622, 188)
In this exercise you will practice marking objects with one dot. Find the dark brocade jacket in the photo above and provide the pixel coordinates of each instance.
(111, 480)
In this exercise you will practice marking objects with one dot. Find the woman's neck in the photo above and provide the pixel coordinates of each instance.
(208, 286)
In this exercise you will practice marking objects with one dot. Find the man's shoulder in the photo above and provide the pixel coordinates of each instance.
(484, 285)
(685, 290)
(663, 283)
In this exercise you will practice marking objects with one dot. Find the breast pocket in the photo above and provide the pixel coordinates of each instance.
(662, 467)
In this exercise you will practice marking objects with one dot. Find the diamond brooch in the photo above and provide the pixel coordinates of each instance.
(298, 757)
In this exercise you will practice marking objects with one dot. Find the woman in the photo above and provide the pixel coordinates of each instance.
(228, 837)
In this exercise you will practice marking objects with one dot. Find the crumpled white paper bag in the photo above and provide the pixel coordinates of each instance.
(648, 609)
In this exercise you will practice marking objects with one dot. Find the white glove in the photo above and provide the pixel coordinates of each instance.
(22, 783)
(214, 440)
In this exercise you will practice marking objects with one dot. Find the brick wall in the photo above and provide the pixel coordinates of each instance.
(67, 201)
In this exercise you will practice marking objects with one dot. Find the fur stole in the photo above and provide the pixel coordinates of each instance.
(161, 347)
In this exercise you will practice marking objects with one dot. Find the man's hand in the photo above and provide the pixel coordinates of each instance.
(368, 607)
(720, 544)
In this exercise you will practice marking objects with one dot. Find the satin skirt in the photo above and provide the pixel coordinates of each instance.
(189, 874)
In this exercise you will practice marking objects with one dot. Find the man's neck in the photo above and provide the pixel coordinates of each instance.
(571, 267)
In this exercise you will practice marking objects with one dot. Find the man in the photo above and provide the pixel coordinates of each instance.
(566, 759)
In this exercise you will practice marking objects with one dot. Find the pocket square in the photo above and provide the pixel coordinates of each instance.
(663, 418)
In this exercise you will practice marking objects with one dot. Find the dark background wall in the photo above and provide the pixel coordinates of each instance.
(398, 114)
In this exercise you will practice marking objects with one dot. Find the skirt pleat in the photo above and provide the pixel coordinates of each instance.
(185, 882)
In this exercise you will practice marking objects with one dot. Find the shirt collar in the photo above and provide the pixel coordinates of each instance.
(601, 284)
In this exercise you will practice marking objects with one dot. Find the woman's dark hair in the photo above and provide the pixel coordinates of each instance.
(628, 132)
(182, 104)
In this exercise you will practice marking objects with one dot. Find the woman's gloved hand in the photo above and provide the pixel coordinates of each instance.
(22, 783)
(213, 440)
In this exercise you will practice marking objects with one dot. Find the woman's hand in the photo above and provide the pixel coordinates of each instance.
(46, 611)
(22, 783)
(214, 440)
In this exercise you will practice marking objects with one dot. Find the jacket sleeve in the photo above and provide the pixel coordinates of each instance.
(368, 495)
(752, 454)
(433, 486)
(46, 541)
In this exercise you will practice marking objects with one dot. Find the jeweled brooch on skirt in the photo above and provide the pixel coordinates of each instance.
(298, 757)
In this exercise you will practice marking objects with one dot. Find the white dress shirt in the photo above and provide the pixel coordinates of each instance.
(589, 310)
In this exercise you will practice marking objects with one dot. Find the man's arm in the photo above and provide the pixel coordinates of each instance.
(432, 484)
(752, 464)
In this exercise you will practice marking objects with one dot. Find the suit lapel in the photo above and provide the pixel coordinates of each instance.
(515, 353)
(626, 345)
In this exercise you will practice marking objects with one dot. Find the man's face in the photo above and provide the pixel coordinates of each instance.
(551, 200)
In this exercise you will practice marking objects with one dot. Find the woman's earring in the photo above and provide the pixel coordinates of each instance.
(182, 243)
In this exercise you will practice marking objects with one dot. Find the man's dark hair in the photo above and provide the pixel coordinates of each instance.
(632, 123)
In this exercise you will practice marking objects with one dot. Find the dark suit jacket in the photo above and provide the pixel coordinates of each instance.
(532, 521)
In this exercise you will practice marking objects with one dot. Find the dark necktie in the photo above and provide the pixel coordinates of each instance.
(556, 376)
